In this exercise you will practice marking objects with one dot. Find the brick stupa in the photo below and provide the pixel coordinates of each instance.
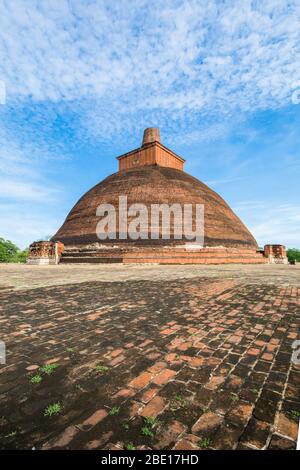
(154, 174)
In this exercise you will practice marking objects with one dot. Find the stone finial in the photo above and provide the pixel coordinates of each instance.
(151, 134)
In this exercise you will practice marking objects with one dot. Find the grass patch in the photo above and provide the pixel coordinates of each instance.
(129, 446)
(295, 414)
(36, 379)
(150, 424)
(114, 411)
(53, 409)
(101, 369)
(48, 369)
(179, 399)
(177, 402)
(204, 443)
(147, 432)
(70, 350)
(234, 397)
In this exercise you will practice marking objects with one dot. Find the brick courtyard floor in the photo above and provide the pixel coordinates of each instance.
(204, 352)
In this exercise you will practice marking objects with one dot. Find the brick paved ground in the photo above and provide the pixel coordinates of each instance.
(23, 276)
(207, 358)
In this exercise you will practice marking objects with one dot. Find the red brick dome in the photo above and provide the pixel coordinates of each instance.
(155, 184)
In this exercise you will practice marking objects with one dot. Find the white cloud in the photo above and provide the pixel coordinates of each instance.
(175, 58)
(25, 198)
(271, 223)
(219, 182)
(16, 189)
(20, 174)
(23, 224)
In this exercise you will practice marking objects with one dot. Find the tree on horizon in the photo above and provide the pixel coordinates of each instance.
(11, 253)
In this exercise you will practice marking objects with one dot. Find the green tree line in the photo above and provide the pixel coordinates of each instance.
(293, 255)
(10, 253)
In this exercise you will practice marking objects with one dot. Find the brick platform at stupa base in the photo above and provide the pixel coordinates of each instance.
(162, 255)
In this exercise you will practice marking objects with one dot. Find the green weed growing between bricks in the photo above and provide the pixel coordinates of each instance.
(150, 424)
(48, 369)
(147, 432)
(115, 410)
(177, 403)
(204, 443)
(101, 369)
(129, 446)
(36, 379)
(53, 409)
(233, 397)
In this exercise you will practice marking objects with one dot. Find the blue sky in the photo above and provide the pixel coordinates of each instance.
(84, 78)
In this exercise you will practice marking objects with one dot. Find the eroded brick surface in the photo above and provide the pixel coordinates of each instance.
(209, 359)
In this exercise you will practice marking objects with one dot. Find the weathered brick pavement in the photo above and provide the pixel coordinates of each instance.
(209, 358)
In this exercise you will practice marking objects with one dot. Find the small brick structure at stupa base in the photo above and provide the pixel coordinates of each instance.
(276, 254)
(45, 252)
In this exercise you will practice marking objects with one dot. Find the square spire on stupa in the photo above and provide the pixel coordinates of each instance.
(152, 152)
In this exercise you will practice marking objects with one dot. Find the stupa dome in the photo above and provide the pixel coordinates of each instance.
(155, 184)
